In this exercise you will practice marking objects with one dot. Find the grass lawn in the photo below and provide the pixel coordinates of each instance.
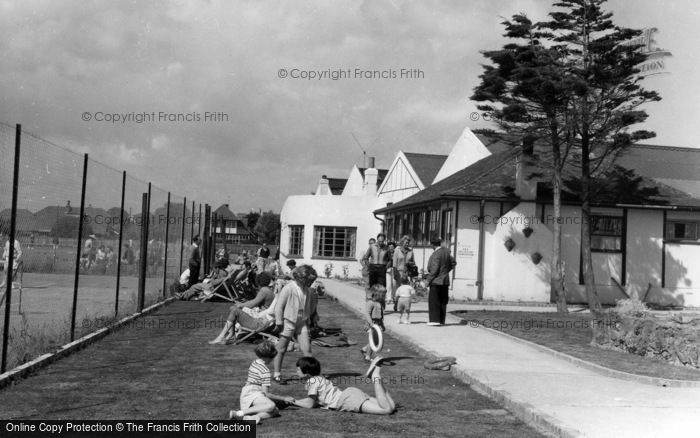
(572, 334)
(163, 368)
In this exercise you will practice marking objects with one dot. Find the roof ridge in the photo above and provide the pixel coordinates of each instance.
(424, 154)
(656, 146)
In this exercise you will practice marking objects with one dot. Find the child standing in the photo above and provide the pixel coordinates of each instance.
(374, 313)
(404, 295)
(256, 402)
(323, 393)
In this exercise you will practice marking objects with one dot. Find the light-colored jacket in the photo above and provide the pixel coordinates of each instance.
(294, 304)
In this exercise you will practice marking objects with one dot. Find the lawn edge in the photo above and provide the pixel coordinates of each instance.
(25, 369)
(525, 412)
(600, 369)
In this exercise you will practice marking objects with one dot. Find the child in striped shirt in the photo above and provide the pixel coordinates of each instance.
(256, 402)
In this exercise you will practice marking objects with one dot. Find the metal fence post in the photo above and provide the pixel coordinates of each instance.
(205, 240)
(81, 220)
(165, 255)
(192, 224)
(121, 242)
(143, 259)
(199, 224)
(182, 237)
(11, 255)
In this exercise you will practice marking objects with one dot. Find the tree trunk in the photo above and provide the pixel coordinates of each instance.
(587, 259)
(557, 290)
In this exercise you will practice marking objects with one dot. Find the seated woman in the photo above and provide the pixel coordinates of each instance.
(250, 314)
(217, 276)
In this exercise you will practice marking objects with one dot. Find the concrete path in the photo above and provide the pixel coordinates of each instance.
(564, 398)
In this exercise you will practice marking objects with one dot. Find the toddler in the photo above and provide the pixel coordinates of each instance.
(404, 295)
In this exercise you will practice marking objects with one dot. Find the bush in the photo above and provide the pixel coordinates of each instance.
(631, 307)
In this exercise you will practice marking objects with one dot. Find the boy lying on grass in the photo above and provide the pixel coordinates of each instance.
(323, 393)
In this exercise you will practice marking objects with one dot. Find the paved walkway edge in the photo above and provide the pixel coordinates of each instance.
(23, 370)
(524, 411)
(607, 372)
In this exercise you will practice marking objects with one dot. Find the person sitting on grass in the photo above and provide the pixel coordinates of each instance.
(374, 314)
(256, 401)
(249, 314)
(323, 393)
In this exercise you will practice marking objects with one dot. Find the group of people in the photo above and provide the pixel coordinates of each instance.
(287, 301)
(293, 311)
(382, 257)
(95, 258)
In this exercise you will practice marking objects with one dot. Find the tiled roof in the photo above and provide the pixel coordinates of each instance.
(674, 166)
(426, 166)
(337, 185)
(491, 177)
(225, 212)
(494, 178)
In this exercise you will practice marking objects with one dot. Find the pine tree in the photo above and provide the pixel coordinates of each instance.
(607, 98)
(528, 93)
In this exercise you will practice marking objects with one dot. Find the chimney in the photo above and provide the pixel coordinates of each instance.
(323, 188)
(525, 185)
(371, 175)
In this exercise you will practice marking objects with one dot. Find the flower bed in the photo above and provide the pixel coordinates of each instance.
(674, 339)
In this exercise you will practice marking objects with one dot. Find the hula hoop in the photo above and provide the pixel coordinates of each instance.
(375, 331)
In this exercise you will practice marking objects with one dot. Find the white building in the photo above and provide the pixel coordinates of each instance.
(645, 231)
(333, 225)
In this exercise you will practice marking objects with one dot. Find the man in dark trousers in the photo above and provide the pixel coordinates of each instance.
(195, 261)
(378, 260)
(440, 264)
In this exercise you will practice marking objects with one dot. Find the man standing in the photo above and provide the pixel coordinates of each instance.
(440, 264)
(378, 259)
(195, 261)
(263, 255)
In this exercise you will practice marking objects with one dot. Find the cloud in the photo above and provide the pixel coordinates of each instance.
(160, 142)
(280, 134)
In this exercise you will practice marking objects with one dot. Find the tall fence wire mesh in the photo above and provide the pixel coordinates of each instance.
(46, 297)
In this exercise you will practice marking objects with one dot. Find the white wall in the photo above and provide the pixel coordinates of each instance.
(342, 211)
(644, 250)
(466, 252)
(355, 184)
(512, 276)
(400, 181)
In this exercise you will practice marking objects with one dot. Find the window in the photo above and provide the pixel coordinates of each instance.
(434, 227)
(446, 226)
(416, 228)
(682, 230)
(390, 226)
(296, 241)
(606, 233)
(334, 242)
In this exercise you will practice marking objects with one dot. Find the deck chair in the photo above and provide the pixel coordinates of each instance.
(244, 333)
(223, 290)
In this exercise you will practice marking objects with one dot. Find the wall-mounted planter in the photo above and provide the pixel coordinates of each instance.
(509, 245)
(536, 258)
(527, 231)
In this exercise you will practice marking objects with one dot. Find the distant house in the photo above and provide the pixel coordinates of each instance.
(234, 230)
(326, 228)
(496, 217)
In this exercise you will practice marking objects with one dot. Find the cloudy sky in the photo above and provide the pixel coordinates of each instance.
(62, 59)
